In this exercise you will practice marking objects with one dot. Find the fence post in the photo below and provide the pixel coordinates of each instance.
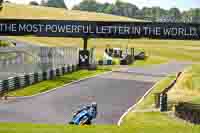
(44, 75)
(51, 74)
(157, 100)
(68, 69)
(57, 72)
(63, 70)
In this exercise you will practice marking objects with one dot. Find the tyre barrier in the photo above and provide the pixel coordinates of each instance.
(189, 112)
(25, 80)
(163, 102)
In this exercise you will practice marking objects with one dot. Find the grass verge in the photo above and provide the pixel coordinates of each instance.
(59, 81)
(156, 122)
(149, 100)
(187, 89)
(152, 60)
(137, 122)
(152, 121)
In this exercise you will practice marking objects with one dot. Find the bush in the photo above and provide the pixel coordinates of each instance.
(100, 62)
(4, 44)
(115, 62)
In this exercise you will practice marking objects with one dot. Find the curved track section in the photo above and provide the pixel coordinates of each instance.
(114, 92)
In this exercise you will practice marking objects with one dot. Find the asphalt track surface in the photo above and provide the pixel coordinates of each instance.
(114, 92)
(113, 96)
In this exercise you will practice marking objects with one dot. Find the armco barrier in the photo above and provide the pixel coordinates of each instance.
(21, 81)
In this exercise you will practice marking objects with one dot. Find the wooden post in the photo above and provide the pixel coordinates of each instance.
(85, 43)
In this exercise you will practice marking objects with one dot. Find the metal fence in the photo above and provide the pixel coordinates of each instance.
(24, 66)
(16, 61)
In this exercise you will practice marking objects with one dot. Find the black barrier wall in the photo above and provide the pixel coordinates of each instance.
(99, 29)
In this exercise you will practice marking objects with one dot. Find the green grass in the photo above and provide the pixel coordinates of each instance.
(161, 49)
(45, 128)
(5, 44)
(156, 122)
(39, 12)
(187, 88)
(152, 60)
(51, 84)
(152, 122)
(149, 100)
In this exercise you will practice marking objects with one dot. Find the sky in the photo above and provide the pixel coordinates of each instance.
(166, 4)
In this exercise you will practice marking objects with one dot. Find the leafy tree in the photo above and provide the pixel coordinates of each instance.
(35, 3)
(175, 13)
(55, 3)
(1, 5)
(43, 3)
(126, 9)
(109, 8)
(121, 8)
(88, 5)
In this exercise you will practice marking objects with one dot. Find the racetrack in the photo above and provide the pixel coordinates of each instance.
(114, 92)
(113, 96)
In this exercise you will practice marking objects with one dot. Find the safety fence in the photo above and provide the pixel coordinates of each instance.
(21, 81)
(20, 60)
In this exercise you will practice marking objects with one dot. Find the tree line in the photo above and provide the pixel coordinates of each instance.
(121, 8)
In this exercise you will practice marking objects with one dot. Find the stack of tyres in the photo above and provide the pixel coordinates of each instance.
(17, 82)
(163, 102)
(109, 62)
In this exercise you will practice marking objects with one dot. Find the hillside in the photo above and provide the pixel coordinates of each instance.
(170, 49)
(38, 12)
